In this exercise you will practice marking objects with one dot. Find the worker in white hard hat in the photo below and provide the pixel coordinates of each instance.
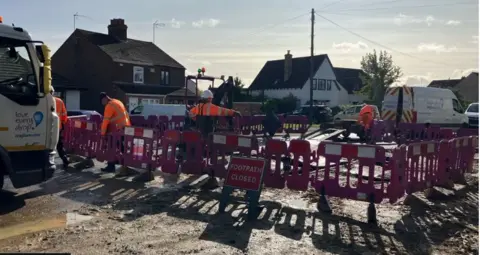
(206, 108)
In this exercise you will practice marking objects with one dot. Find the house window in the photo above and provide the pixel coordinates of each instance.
(322, 85)
(329, 85)
(138, 75)
(314, 84)
(164, 77)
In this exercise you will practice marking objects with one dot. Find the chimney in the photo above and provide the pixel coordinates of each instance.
(287, 72)
(118, 29)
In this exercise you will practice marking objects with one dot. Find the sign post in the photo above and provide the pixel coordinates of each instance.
(246, 174)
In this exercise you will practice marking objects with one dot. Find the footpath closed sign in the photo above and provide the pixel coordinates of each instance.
(245, 173)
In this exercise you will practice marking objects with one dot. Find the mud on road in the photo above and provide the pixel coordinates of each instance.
(93, 213)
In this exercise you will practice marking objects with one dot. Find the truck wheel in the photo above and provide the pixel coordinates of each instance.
(465, 125)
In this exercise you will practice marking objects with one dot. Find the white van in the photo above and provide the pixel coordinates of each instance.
(430, 105)
(168, 110)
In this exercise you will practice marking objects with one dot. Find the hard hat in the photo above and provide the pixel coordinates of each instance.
(207, 94)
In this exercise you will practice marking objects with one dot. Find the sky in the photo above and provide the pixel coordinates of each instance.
(428, 39)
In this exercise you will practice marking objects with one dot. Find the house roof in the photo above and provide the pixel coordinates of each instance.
(59, 81)
(444, 83)
(272, 74)
(130, 51)
(132, 88)
(181, 93)
(349, 78)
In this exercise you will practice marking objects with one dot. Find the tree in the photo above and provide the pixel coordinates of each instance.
(379, 72)
(238, 83)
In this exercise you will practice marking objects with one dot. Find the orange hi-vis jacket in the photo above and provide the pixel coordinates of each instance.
(115, 117)
(367, 114)
(61, 111)
(209, 109)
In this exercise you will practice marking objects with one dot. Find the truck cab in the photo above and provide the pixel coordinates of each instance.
(29, 126)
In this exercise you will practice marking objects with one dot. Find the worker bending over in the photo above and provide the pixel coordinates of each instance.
(115, 118)
(207, 109)
(366, 116)
(62, 115)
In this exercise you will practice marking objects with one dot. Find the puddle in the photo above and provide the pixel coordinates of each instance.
(60, 221)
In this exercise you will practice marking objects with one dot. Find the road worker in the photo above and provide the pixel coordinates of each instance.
(205, 110)
(62, 115)
(115, 118)
(366, 116)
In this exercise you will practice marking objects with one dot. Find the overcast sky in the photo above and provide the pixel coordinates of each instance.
(429, 39)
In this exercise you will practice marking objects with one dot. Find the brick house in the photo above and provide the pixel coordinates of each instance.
(130, 70)
(467, 86)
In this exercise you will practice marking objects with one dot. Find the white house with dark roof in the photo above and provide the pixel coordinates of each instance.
(331, 86)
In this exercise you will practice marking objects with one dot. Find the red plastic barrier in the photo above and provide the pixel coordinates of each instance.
(177, 122)
(462, 153)
(422, 166)
(193, 160)
(296, 124)
(299, 178)
(256, 125)
(275, 151)
(367, 157)
(245, 125)
(138, 151)
(224, 145)
(109, 147)
(397, 165)
(461, 132)
(166, 154)
(446, 134)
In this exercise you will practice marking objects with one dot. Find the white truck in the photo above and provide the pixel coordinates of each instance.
(29, 125)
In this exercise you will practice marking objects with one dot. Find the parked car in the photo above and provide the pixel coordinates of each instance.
(472, 113)
(82, 112)
(321, 113)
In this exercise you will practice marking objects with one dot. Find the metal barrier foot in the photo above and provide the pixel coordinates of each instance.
(323, 204)
(144, 177)
(124, 171)
(372, 214)
(84, 164)
(211, 184)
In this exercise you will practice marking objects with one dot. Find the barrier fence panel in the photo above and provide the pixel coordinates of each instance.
(397, 165)
(109, 148)
(422, 160)
(223, 145)
(256, 125)
(245, 125)
(166, 153)
(365, 187)
(193, 161)
(299, 177)
(138, 147)
(295, 124)
(275, 152)
(461, 132)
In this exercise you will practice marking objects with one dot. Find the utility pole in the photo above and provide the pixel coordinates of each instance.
(311, 63)
(155, 25)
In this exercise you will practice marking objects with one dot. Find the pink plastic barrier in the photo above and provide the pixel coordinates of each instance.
(193, 161)
(330, 183)
(138, 150)
(462, 154)
(422, 165)
(299, 179)
(223, 145)
(245, 125)
(467, 132)
(256, 125)
(274, 176)
(166, 154)
(296, 124)
(109, 147)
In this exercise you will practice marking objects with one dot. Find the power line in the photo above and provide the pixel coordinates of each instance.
(258, 30)
(380, 45)
(345, 11)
